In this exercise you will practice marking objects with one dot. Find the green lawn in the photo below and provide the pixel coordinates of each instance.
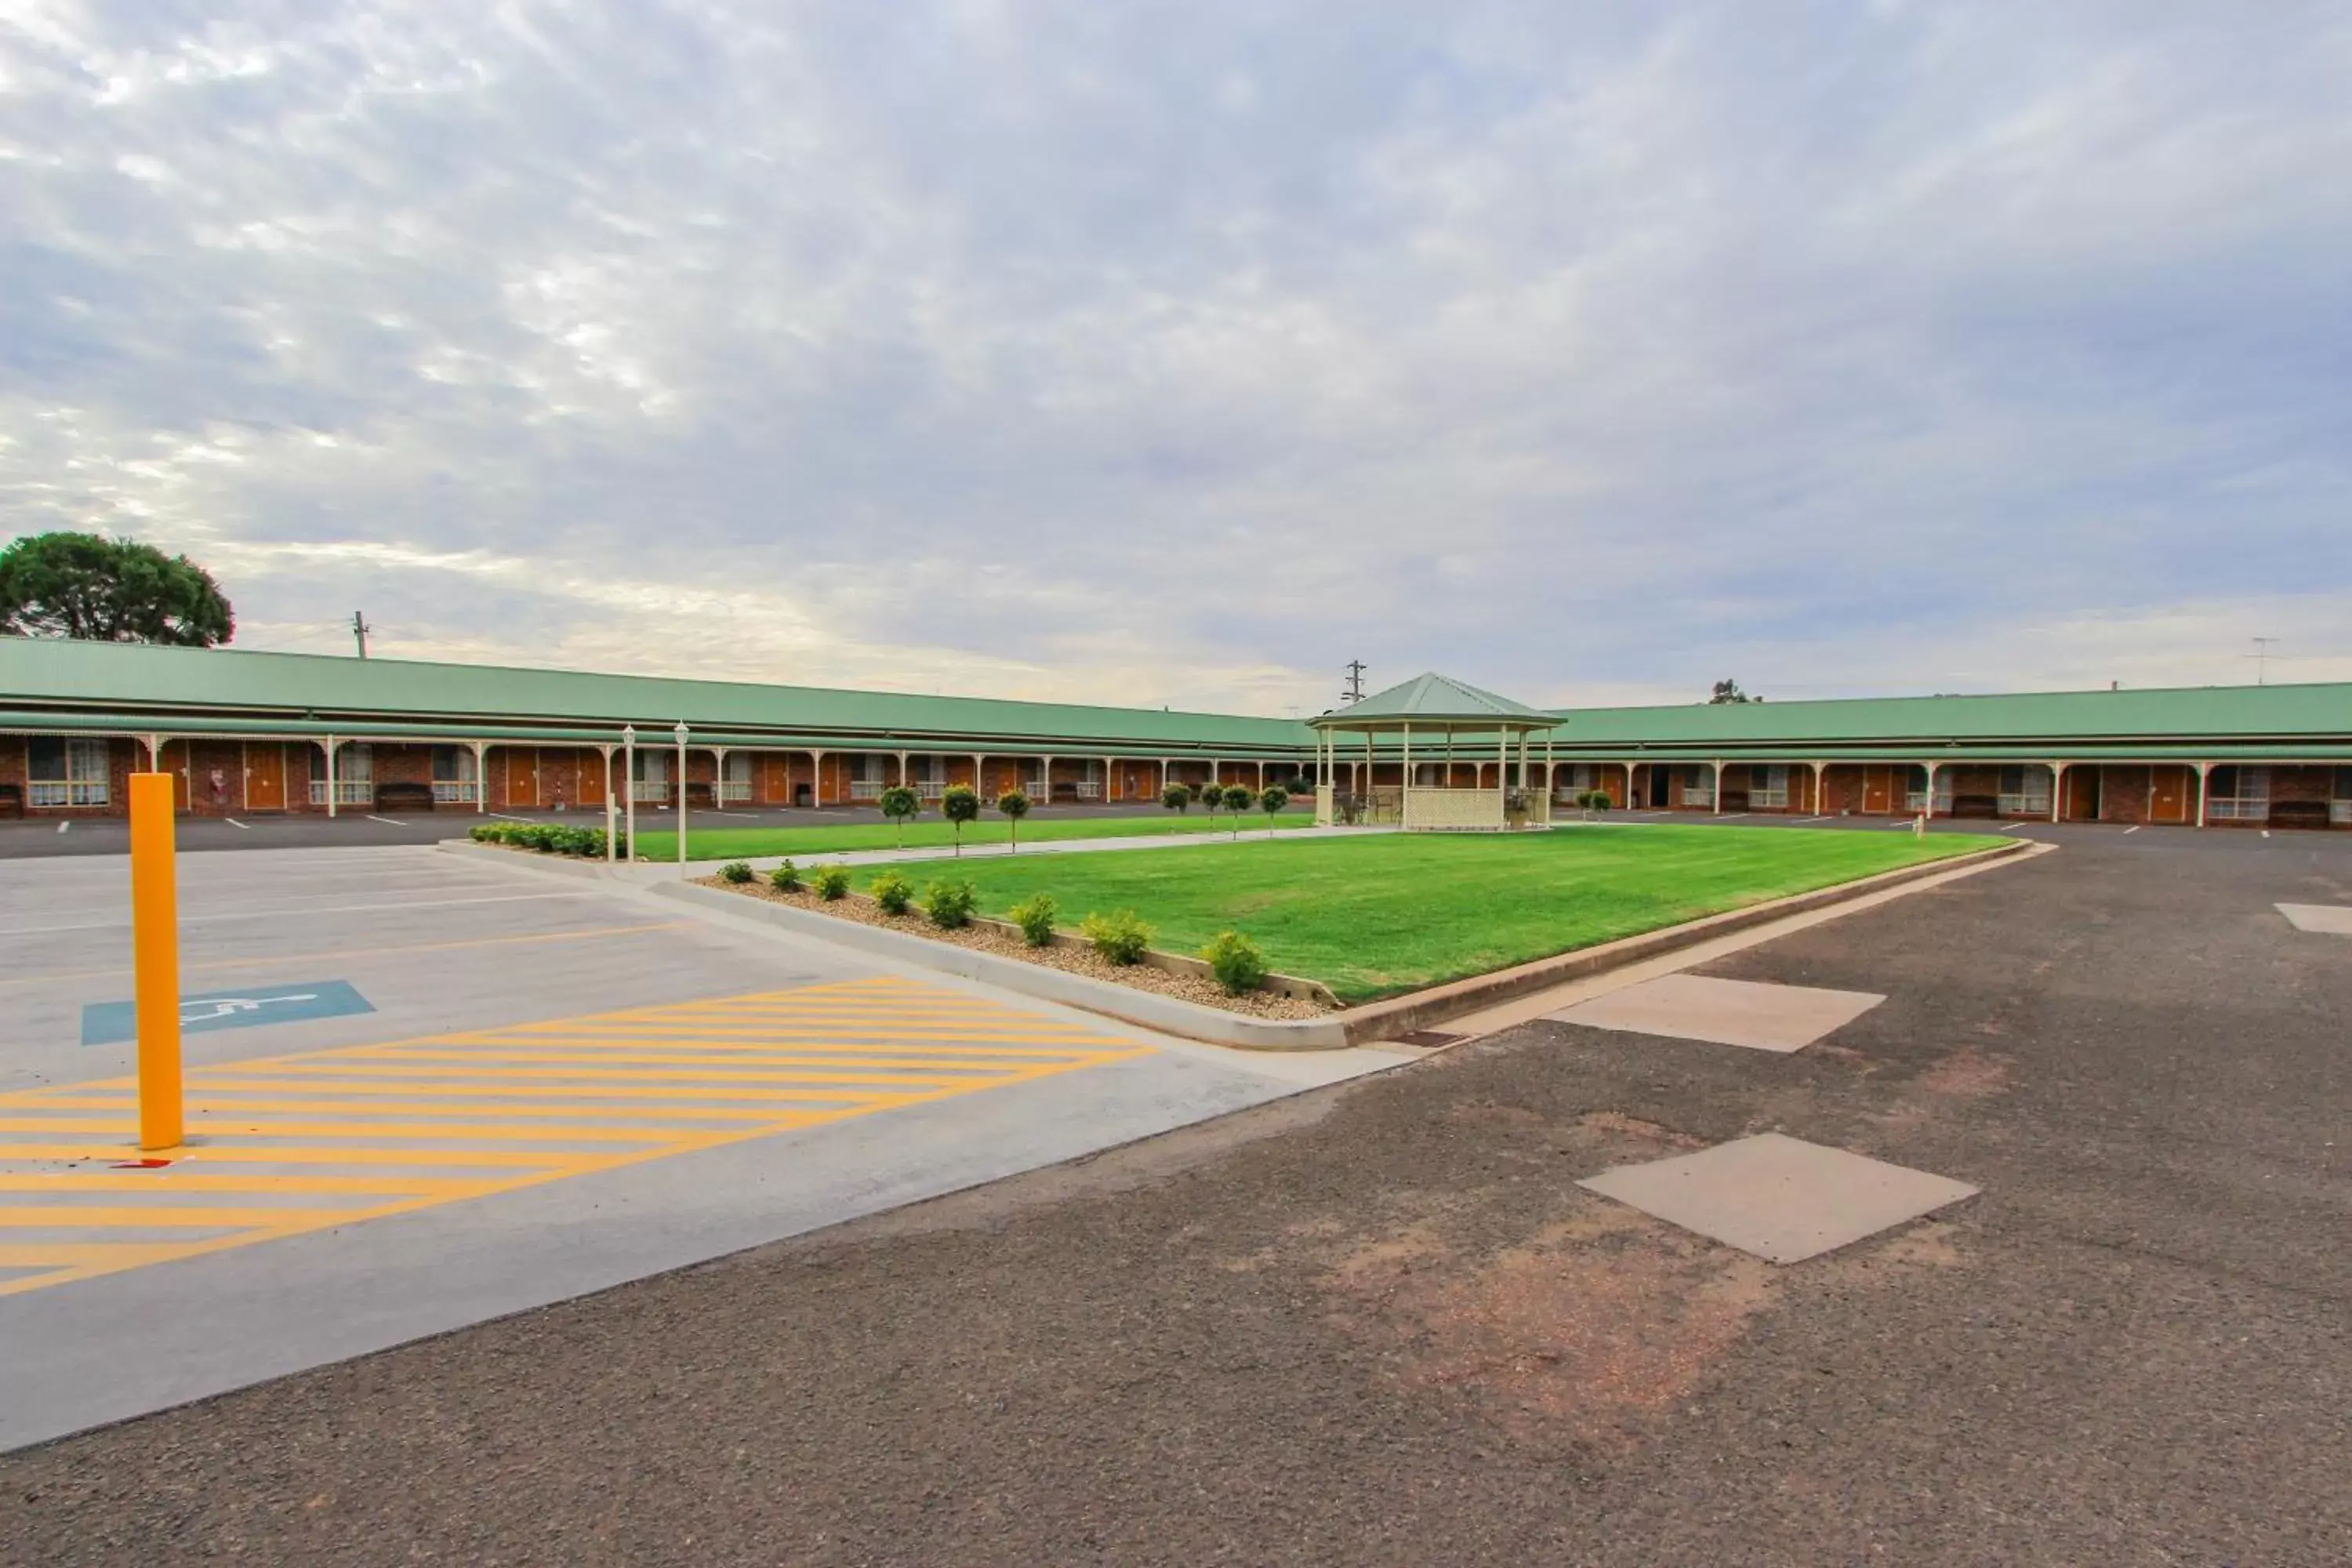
(1377, 915)
(927, 831)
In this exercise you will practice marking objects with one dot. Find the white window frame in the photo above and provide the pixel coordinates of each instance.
(82, 786)
(735, 782)
(2031, 797)
(464, 786)
(2244, 804)
(1772, 792)
(355, 775)
(651, 783)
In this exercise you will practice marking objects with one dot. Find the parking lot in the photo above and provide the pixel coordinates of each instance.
(1386, 1322)
(425, 1088)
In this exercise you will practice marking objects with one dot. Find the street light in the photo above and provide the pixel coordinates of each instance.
(629, 781)
(681, 792)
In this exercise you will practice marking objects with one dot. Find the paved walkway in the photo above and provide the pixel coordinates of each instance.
(654, 868)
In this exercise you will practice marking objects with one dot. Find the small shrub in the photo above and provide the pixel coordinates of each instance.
(892, 892)
(1034, 916)
(1237, 963)
(785, 878)
(1271, 802)
(1176, 797)
(735, 871)
(832, 882)
(949, 904)
(1595, 800)
(1120, 937)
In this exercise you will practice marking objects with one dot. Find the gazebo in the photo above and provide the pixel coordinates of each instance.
(1456, 723)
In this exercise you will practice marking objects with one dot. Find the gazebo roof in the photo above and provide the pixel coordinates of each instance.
(1438, 702)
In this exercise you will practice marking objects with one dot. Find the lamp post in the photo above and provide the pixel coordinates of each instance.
(629, 781)
(681, 792)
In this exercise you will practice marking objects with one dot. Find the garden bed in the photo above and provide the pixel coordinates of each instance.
(991, 936)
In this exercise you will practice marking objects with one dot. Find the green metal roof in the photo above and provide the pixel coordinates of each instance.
(129, 687)
(347, 694)
(1434, 699)
(2245, 713)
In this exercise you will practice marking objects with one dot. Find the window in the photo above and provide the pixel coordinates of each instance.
(2025, 790)
(2339, 797)
(1698, 783)
(453, 778)
(1768, 786)
(1914, 789)
(737, 783)
(66, 772)
(2236, 793)
(355, 775)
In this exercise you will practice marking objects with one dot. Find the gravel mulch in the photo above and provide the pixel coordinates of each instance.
(1076, 959)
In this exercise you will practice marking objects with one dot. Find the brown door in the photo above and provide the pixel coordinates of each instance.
(775, 779)
(2082, 793)
(265, 776)
(522, 776)
(592, 781)
(2167, 794)
(1878, 791)
(175, 763)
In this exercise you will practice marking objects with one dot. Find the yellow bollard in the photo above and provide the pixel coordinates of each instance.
(155, 958)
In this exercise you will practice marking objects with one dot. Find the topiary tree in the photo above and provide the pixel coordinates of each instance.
(899, 803)
(1271, 802)
(959, 805)
(1209, 795)
(1239, 799)
(1176, 797)
(1014, 806)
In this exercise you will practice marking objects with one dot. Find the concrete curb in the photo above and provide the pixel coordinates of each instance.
(1376, 1021)
(1166, 1014)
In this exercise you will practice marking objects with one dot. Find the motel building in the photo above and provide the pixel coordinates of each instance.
(255, 733)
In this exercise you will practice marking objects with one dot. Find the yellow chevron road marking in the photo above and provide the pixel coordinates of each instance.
(413, 1123)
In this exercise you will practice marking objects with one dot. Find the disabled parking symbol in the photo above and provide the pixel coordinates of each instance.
(110, 1023)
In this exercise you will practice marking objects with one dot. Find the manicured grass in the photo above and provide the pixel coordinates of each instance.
(1376, 915)
(927, 831)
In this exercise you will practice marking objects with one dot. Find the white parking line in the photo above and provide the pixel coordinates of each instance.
(2266, 832)
(503, 816)
(387, 821)
(2015, 825)
(233, 822)
(63, 826)
(2129, 831)
(1730, 816)
(1800, 821)
(714, 811)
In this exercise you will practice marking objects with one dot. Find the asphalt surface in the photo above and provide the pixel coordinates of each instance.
(1379, 1324)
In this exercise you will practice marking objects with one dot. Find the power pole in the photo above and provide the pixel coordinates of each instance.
(2261, 657)
(1355, 692)
(359, 629)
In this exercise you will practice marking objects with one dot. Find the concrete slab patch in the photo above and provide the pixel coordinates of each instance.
(2335, 920)
(1726, 1012)
(1781, 1198)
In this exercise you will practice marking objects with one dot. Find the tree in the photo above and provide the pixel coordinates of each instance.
(959, 805)
(1176, 797)
(1729, 691)
(1014, 806)
(1271, 802)
(83, 585)
(1209, 795)
(1239, 799)
(898, 803)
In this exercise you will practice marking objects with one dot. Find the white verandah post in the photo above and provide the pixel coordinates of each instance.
(628, 782)
(331, 792)
(611, 849)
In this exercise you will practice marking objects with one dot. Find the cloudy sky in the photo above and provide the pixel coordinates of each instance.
(1180, 353)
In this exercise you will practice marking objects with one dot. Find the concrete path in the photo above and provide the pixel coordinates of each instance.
(656, 869)
(545, 1086)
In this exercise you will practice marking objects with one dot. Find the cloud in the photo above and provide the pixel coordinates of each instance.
(1180, 353)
